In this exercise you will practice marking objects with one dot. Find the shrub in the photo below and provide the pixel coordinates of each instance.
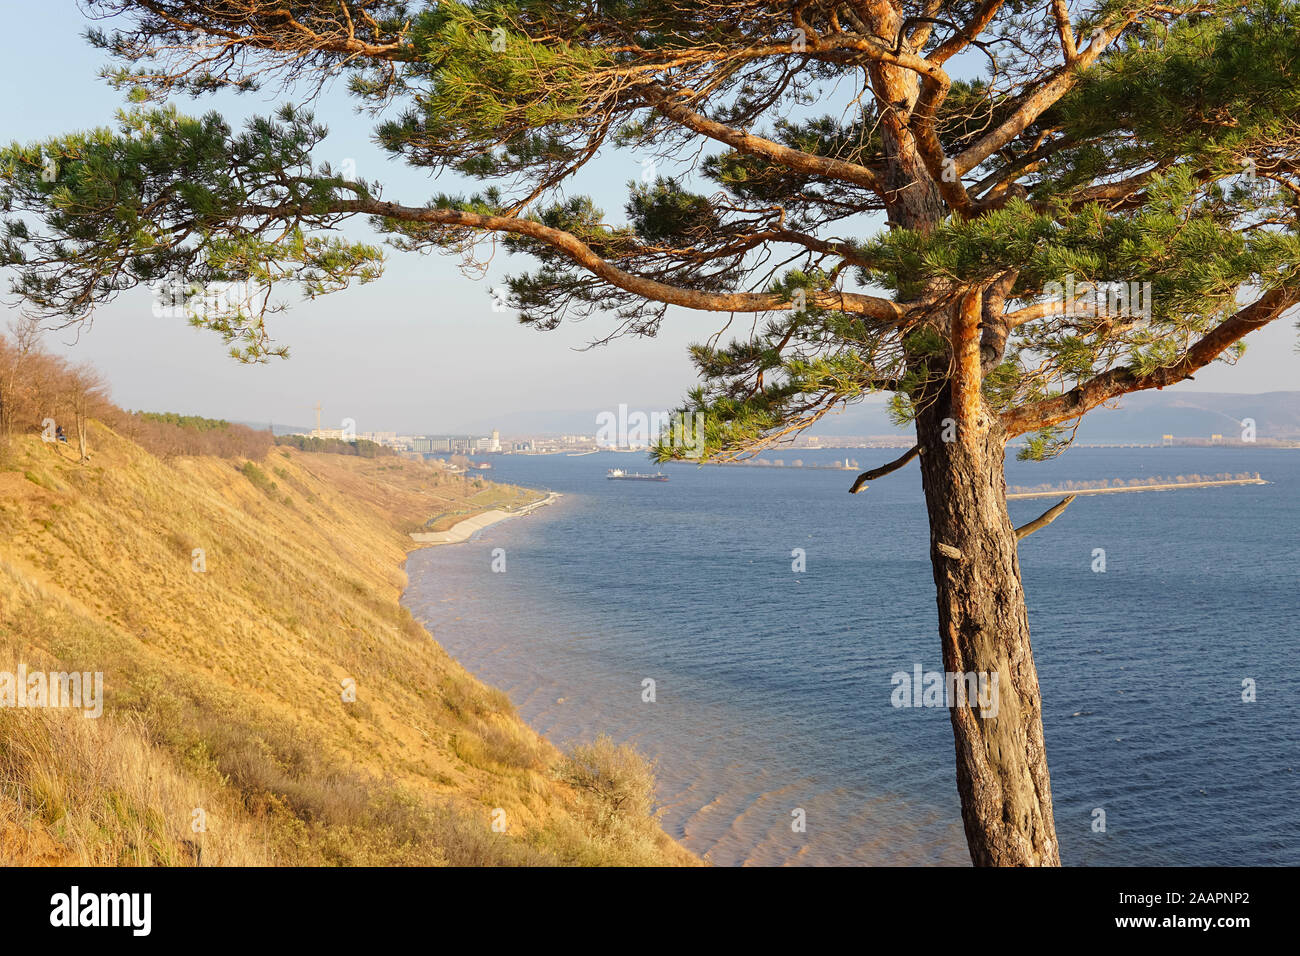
(359, 447)
(167, 435)
(259, 478)
(618, 782)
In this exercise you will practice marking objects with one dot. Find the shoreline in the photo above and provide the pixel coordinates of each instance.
(465, 529)
(527, 637)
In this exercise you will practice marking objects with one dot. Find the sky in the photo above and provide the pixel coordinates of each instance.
(419, 351)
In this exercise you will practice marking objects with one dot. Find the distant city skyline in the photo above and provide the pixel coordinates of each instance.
(1142, 417)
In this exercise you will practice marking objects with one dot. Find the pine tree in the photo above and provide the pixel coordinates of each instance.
(1080, 199)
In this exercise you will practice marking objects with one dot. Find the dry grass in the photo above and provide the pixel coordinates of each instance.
(224, 689)
(99, 792)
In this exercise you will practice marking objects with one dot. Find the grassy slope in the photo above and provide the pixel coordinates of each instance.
(223, 688)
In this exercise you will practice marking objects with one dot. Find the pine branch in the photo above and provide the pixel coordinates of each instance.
(1121, 381)
(582, 255)
(883, 470)
(1044, 519)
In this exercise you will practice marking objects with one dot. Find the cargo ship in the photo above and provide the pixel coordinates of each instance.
(618, 474)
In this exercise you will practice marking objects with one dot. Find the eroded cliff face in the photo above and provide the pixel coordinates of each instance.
(266, 698)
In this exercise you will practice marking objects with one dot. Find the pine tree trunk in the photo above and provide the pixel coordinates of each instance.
(1006, 795)
(1002, 776)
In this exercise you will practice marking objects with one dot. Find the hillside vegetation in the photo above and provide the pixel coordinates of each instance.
(229, 603)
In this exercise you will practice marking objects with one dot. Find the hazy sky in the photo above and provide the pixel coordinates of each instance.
(420, 350)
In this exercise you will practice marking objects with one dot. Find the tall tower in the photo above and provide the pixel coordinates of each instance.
(317, 407)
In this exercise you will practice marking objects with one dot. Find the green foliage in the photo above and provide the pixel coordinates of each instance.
(195, 422)
(40, 480)
(1170, 168)
(1042, 445)
(485, 92)
(1211, 92)
(760, 180)
(259, 479)
(799, 367)
(360, 447)
(173, 202)
(1187, 247)
(664, 212)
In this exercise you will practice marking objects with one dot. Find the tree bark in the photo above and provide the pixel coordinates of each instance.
(1002, 776)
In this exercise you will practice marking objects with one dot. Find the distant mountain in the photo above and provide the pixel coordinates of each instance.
(278, 429)
(583, 422)
(1145, 416)
(1140, 417)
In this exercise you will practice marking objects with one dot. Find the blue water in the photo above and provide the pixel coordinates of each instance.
(773, 687)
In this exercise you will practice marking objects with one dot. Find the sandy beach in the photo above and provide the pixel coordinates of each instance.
(464, 530)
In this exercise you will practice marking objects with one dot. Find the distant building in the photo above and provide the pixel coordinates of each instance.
(455, 444)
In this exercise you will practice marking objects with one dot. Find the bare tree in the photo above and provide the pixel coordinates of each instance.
(84, 393)
(15, 357)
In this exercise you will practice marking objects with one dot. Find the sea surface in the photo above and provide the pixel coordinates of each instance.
(772, 687)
